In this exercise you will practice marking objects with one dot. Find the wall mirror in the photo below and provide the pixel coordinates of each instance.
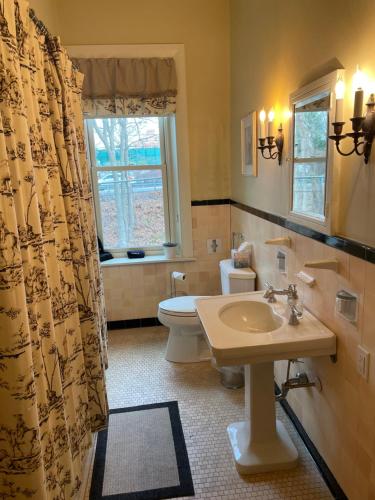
(311, 154)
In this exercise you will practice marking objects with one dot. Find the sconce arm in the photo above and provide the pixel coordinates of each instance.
(272, 143)
(354, 150)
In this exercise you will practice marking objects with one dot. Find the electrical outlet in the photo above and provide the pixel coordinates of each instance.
(214, 246)
(363, 360)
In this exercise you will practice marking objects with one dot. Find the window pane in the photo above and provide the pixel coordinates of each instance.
(126, 141)
(310, 136)
(309, 188)
(131, 205)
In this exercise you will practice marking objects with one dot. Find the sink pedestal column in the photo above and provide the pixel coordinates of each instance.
(261, 443)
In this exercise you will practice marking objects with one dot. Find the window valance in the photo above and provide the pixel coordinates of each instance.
(123, 87)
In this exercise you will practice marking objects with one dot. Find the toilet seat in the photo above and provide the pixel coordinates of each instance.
(179, 306)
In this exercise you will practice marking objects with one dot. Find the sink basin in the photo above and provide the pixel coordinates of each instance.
(244, 328)
(250, 316)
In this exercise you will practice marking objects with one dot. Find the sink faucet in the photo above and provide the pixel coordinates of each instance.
(292, 297)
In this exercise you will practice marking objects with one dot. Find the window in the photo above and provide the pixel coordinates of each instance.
(174, 151)
(130, 179)
(314, 167)
(310, 156)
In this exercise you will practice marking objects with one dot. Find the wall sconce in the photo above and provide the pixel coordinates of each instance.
(362, 126)
(269, 142)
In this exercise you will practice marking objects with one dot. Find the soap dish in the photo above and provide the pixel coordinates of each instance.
(306, 278)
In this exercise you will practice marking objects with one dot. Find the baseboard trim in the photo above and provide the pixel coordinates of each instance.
(324, 470)
(125, 324)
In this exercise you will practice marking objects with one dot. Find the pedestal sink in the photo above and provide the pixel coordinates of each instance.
(245, 329)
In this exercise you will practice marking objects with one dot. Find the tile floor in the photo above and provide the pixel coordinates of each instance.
(139, 374)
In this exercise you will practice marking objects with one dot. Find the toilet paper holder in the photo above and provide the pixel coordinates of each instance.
(176, 276)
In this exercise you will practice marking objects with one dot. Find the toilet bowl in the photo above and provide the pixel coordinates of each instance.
(186, 340)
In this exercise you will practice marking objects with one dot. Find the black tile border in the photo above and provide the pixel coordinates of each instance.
(125, 324)
(202, 203)
(186, 486)
(346, 245)
(324, 470)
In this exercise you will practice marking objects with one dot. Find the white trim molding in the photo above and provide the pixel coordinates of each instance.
(328, 224)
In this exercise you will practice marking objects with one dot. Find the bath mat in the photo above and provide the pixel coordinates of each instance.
(142, 455)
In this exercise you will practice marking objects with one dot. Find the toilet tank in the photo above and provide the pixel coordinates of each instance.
(236, 280)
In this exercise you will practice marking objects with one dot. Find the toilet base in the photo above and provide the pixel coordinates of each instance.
(187, 347)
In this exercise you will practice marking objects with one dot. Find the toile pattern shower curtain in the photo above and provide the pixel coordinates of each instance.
(52, 322)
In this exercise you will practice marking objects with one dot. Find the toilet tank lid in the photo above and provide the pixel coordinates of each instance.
(245, 273)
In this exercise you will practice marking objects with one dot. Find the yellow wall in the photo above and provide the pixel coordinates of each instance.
(278, 46)
(203, 26)
(46, 10)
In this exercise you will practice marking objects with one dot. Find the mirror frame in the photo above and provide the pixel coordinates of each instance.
(329, 224)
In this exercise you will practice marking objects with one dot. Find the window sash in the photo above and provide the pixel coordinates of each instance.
(124, 168)
(311, 215)
(309, 159)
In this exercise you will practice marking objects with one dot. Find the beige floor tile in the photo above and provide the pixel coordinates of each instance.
(139, 374)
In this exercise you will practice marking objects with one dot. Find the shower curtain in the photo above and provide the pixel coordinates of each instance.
(52, 321)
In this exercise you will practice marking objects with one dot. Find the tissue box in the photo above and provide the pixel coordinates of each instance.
(240, 259)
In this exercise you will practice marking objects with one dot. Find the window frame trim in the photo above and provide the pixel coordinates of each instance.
(328, 224)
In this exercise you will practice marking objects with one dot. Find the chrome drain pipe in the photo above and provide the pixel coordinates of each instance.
(300, 380)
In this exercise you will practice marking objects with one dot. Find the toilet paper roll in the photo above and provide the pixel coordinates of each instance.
(178, 276)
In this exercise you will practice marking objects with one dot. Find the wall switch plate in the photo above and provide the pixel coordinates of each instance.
(214, 245)
(363, 360)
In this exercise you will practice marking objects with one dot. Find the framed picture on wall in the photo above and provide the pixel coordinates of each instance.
(249, 144)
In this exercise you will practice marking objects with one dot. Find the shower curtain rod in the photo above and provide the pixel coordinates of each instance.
(39, 24)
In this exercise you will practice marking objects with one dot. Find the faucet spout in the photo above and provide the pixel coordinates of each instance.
(292, 297)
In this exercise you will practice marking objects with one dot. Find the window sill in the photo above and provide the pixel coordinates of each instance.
(149, 259)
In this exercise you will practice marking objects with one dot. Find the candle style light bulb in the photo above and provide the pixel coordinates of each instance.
(287, 114)
(340, 92)
(262, 118)
(340, 89)
(359, 79)
(271, 116)
(358, 85)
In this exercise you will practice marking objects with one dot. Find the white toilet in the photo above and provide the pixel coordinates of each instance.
(186, 341)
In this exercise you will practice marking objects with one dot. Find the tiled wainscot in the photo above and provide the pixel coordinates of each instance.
(134, 291)
(340, 419)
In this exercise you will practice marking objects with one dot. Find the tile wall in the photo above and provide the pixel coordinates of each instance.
(340, 420)
(134, 291)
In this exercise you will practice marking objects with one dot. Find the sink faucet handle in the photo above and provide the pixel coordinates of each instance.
(268, 285)
(293, 290)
